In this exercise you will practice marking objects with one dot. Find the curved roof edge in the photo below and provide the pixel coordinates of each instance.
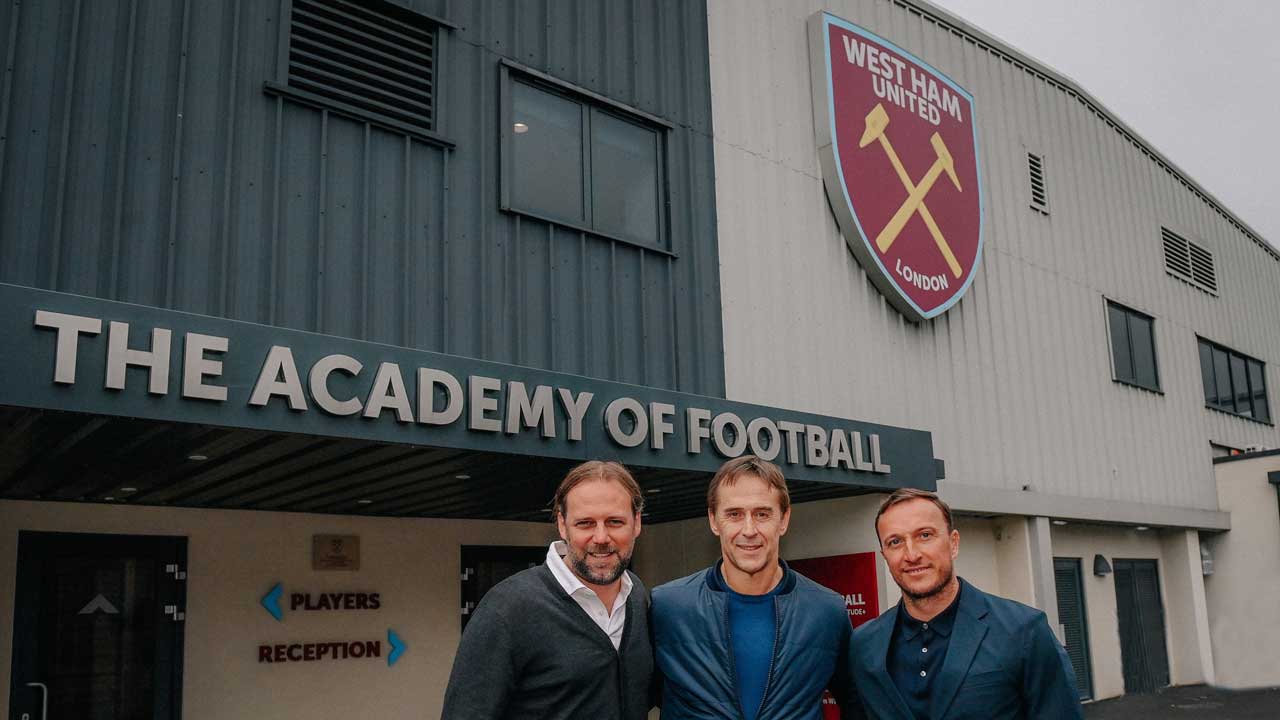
(1022, 59)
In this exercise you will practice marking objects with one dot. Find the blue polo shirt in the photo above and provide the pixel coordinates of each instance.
(753, 631)
(916, 653)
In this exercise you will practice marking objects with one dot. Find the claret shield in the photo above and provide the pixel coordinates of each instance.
(899, 152)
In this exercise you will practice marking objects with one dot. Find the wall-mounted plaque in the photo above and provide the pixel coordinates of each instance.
(335, 552)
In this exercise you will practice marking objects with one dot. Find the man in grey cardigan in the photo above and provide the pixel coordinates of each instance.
(569, 638)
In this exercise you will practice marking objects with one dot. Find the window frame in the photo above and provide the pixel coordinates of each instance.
(1249, 362)
(510, 73)
(1129, 313)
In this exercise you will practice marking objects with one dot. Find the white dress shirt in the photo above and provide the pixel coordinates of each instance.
(610, 622)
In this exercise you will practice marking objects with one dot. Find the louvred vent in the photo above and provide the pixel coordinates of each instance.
(1188, 261)
(369, 55)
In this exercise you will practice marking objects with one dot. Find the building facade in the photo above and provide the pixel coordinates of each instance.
(311, 303)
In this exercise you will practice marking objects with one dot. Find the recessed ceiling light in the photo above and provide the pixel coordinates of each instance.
(462, 476)
(198, 458)
(520, 128)
(1059, 522)
(128, 489)
(1140, 528)
(109, 497)
(364, 502)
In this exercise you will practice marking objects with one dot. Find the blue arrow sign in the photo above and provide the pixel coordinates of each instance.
(397, 647)
(271, 601)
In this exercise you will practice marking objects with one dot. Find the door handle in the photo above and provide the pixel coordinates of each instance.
(44, 700)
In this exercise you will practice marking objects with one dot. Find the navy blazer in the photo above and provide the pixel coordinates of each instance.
(1003, 663)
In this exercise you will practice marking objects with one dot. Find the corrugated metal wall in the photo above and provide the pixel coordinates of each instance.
(142, 161)
(1015, 381)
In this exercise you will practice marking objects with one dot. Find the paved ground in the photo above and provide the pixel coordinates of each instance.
(1193, 702)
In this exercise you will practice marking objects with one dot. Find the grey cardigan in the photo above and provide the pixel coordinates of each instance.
(531, 652)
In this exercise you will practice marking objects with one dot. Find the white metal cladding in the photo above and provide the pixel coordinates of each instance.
(1015, 381)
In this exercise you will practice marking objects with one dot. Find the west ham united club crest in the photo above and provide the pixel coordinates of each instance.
(899, 152)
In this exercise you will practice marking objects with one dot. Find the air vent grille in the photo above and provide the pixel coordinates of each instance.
(370, 55)
(1202, 270)
(1188, 261)
(1039, 190)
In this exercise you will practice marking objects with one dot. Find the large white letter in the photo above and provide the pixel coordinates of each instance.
(155, 360)
(576, 409)
(279, 376)
(319, 381)
(522, 410)
(764, 451)
(718, 438)
(613, 422)
(659, 423)
(196, 367)
(481, 403)
(428, 378)
(696, 420)
(815, 445)
(389, 392)
(69, 328)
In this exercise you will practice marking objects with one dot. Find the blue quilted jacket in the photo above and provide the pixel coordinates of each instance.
(690, 625)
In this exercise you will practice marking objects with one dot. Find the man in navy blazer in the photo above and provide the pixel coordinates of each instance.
(950, 651)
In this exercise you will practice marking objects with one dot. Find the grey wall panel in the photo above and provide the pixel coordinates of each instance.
(142, 161)
(1015, 381)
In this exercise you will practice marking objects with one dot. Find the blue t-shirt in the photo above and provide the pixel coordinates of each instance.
(753, 632)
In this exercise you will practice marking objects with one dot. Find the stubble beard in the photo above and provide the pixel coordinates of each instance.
(588, 574)
(931, 592)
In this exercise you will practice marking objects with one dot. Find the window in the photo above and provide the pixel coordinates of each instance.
(1133, 347)
(1039, 189)
(1189, 262)
(370, 60)
(577, 159)
(1233, 382)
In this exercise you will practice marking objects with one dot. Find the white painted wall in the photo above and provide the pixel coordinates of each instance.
(233, 560)
(1015, 382)
(1242, 592)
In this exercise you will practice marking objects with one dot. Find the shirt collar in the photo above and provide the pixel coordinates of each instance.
(570, 582)
(942, 623)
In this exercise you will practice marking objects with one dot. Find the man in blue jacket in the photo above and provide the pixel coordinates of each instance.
(950, 651)
(747, 637)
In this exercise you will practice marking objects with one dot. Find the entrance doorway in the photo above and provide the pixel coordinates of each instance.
(1072, 618)
(1142, 634)
(484, 566)
(98, 627)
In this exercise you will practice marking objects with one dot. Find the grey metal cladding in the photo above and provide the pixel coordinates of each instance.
(141, 160)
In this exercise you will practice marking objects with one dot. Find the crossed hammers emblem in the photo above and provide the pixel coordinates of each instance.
(877, 121)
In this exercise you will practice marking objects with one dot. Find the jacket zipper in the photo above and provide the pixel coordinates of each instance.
(773, 657)
(733, 665)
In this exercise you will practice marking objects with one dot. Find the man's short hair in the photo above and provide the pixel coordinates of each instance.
(729, 473)
(902, 495)
(597, 470)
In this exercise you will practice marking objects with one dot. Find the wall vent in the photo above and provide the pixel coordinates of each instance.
(1189, 262)
(368, 55)
(1039, 190)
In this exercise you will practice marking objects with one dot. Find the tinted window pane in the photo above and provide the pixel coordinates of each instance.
(1206, 373)
(1240, 385)
(546, 153)
(1222, 374)
(1144, 351)
(1258, 388)
(1121, 356)
(624, 178)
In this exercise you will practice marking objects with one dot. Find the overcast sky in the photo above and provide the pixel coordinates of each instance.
(1197, 79)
